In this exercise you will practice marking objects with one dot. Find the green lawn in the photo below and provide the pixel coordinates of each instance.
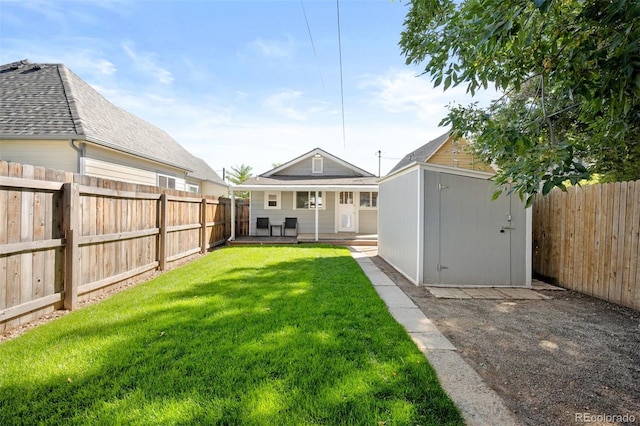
(245, 335)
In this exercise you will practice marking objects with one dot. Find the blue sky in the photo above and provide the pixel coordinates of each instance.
(238, 81)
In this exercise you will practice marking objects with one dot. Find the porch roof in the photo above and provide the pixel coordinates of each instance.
(303, 183)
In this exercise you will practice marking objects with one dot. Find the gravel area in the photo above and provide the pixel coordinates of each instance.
(571, 359)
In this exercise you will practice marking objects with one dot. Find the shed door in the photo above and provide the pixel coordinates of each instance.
(475, 237)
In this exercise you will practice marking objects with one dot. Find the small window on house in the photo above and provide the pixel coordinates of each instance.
(316, 164)
(369, 200)
(165, 181)
(193, 188)
(272, 200)
(307, 200)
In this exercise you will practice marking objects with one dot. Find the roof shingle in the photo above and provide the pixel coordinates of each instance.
(50, 100)
(423, 153)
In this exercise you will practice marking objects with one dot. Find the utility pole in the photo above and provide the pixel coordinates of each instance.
(379, 161)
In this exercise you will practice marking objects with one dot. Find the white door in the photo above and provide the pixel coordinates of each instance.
(346, 212)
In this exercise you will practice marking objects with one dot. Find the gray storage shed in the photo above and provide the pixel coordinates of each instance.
(438, 226)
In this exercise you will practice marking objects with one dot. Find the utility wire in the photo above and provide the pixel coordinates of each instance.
(304, 12)
(344, 136)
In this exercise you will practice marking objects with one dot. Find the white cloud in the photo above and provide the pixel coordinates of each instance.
(85, 60)
(273, 48)
(145, 62)
(294, 105)
(282, 103)
(404, 92)
(65, 16)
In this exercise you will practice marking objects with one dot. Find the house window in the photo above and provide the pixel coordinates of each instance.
(369, 200)
(316, 164)
(307, 200)
(193, 188)
(165, 181)
(272, 200)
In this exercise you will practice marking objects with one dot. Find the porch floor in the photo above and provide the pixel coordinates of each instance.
(346, 238)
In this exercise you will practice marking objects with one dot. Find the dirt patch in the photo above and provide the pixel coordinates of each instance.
(571, 359)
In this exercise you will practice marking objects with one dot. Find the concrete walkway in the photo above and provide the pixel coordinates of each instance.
(479, 404)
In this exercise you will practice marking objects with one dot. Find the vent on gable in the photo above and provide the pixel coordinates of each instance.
(316, 164)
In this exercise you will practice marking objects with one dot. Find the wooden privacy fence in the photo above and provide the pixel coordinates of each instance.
(588, 239)
(63, 236)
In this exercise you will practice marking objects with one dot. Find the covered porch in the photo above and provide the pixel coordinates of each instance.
(342, 238)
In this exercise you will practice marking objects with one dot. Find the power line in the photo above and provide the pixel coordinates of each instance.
(344, 136)
(313, 46)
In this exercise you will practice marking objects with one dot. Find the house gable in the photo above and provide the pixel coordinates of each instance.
(444, 150)
(316, 164)
(455, 153)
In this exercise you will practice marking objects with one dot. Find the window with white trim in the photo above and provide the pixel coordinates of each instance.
(307, 200)
(272, 200)
(369, 200)
(165, 181)
(193, 188)
(316, 164)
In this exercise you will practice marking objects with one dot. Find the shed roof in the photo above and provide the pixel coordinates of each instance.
(49, 100)
(423, 153)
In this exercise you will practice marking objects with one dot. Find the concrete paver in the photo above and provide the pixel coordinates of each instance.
(431, 341)
(394, 297)
(448, 293)
(486, 293)
(413, 319)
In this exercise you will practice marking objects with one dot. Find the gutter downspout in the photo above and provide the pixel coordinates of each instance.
(81, 150)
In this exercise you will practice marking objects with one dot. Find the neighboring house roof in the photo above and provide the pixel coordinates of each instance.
(347, 175)
(423, 153)
(50, 101)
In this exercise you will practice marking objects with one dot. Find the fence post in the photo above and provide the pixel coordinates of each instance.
(203, 229)
(162, 242)
(70, 222)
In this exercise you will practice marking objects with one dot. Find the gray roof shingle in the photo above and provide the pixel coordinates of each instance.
(423, 153)
(306, 180)
(45, 100)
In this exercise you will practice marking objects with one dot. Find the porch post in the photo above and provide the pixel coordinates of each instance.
(317, 215)
(233, 216)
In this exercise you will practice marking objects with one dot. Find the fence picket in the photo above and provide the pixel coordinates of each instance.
(65, 234)
(598, 233)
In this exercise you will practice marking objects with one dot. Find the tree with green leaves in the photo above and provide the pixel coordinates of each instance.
(569, 72)
(239, 174)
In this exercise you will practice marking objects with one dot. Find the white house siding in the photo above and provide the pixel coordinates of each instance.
(306, 217)
(398, 222)
(108, 164)
(368, 221)
(54, 154)
(210, 188)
